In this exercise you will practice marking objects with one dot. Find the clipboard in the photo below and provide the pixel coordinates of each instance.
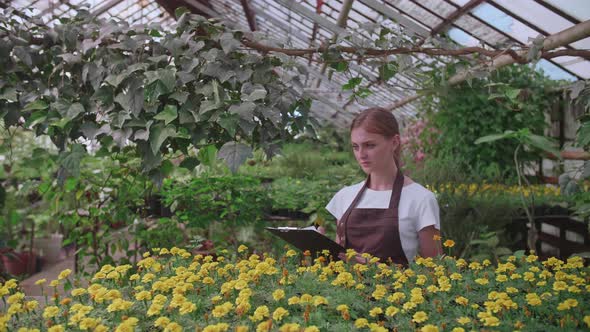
(307, 239)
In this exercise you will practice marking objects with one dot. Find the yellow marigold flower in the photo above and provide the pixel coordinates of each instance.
(574, 289)
(240, 284)
(134, 277)
(50, 312)
(311, 328)
(54, 283)
(429, 328)
(306, 298)
(533, 299)
(359, 286)
(458, 329)
(40, 281)
(587, 320)
(515, 276)
(482, 281)
(260, 313)
(89, 323)
(361, 322)
(31, 305)
(486, 262)
(375, 312)
(187, 307)
(462, 300)
(242, 248)
(501, 278)
(208, 281)
(291, 253)
(529, 276)
(436, 237)
(319, 300)
(173, 327)
(279, 313)
(118, 305)
(290, 327)
(391, 311)
(78, 291)
(278, 294)
(143, 295)
(239, 328)
(511, 290)
(15, 298)
(64, 274)
(56, 328)
(559, 286)
(449, 243)
(531, 258)
(567, 304)
(491, 321)
(162, 322)
(342, 307)
(463, 320)
(14, 309)
(419, 317)
(379, 292)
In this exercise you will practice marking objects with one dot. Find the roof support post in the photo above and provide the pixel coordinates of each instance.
(249, 14)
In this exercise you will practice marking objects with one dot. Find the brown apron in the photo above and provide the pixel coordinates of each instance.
(374, 231)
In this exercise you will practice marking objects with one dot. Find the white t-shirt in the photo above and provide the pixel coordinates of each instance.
(418, 208)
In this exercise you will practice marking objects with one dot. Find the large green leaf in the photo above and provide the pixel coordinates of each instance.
(544, 144)
(168, 115)
(36, 105)
(496, 137)
(70, 160)
(234, 154)
(158, 134)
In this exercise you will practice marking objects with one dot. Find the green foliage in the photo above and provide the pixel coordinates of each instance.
(160, 233)
(229, 201)
(511, 98)
(167, 91)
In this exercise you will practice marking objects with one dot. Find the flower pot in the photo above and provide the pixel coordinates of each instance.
(49, 247)
(16, 263)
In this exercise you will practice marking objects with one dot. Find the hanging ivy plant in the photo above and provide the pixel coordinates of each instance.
(161, 91)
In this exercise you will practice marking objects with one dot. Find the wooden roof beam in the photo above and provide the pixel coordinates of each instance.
(249, 13)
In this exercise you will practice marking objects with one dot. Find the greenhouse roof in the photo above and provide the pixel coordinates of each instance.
(309, 23)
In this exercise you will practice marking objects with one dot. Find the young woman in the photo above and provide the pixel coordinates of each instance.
(388, 215)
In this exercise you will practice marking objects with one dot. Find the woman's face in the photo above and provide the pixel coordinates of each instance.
(373, 152)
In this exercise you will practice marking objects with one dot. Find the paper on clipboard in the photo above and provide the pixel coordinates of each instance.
(307, 238)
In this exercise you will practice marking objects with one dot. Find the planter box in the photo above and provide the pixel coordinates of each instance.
(16, 263)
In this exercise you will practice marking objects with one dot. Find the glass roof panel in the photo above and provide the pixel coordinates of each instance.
(537, 14)
(554, 72)
(579, 9)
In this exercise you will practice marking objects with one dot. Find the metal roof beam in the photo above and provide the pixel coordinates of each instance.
(379, 6)
(300, 9)
(454, 16)
(104, 8)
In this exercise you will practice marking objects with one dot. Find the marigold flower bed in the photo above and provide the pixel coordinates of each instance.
(175, 291)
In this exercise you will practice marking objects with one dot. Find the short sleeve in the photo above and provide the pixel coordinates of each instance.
(335, 205)
(428, 213)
